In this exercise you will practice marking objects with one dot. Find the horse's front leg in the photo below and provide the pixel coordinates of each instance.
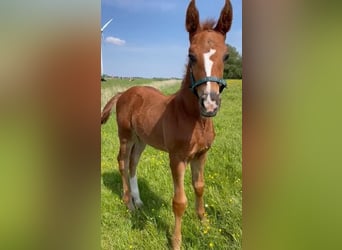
(197, 171)
(179, 201)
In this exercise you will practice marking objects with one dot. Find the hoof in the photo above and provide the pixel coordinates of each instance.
(130, 206)
(202, 216)
(138, 203)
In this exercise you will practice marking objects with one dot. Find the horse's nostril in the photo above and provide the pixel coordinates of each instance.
(203, 101)
(202, 104)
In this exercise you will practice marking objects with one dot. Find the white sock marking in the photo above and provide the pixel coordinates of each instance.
(209, 104)
(133, 181)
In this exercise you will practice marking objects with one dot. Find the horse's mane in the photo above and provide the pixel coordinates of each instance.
(208, 24)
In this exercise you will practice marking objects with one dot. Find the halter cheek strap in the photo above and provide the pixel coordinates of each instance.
(220, 81)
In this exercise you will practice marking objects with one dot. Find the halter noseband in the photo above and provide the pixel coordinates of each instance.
(220, 81)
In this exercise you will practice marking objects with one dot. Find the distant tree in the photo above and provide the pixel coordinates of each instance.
(233, 66)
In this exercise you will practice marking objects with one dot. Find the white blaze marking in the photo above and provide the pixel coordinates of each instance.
(209, 104)
(135, 190)
(208, 64)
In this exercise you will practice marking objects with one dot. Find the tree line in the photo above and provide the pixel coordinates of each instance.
(233, 66)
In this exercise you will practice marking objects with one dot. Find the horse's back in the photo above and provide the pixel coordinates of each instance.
(139, 97)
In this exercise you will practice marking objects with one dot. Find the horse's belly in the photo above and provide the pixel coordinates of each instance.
(155, 140)
(156, 145)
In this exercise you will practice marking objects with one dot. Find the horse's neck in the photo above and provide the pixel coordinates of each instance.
(187, 99)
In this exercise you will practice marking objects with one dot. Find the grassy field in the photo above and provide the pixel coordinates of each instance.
(151, 227)
(112, 86)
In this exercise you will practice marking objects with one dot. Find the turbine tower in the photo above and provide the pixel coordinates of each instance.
(102, 29)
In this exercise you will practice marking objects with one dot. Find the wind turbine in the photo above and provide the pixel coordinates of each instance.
(102, 29)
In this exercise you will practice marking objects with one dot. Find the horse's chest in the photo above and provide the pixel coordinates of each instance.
(202, 140)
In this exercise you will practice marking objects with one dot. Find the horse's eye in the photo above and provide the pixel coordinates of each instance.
(192, 58)
(225, 57)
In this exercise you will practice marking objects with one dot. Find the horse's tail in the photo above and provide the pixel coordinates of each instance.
(107, 110)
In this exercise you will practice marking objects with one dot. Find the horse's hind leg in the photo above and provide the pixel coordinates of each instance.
(123, 160)
(137, 149)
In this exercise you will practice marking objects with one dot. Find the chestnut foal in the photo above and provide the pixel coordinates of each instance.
(179, 124)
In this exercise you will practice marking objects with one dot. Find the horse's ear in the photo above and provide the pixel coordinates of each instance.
(225, 21)
(192, 19)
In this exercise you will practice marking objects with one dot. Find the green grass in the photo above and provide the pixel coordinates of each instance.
(151, 227)
(111, 82)
(114, 85)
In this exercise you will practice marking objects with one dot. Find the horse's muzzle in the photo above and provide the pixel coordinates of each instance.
(209, 104)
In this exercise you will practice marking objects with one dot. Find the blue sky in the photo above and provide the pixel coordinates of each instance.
(147, 38)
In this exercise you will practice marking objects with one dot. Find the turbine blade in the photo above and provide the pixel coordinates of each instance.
(107, 23)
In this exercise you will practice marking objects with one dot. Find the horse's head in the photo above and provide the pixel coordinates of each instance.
(207, 54)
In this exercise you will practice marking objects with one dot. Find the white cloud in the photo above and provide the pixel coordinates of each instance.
(115, 40)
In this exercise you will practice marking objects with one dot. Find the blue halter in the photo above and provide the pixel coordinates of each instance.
(220, 81)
